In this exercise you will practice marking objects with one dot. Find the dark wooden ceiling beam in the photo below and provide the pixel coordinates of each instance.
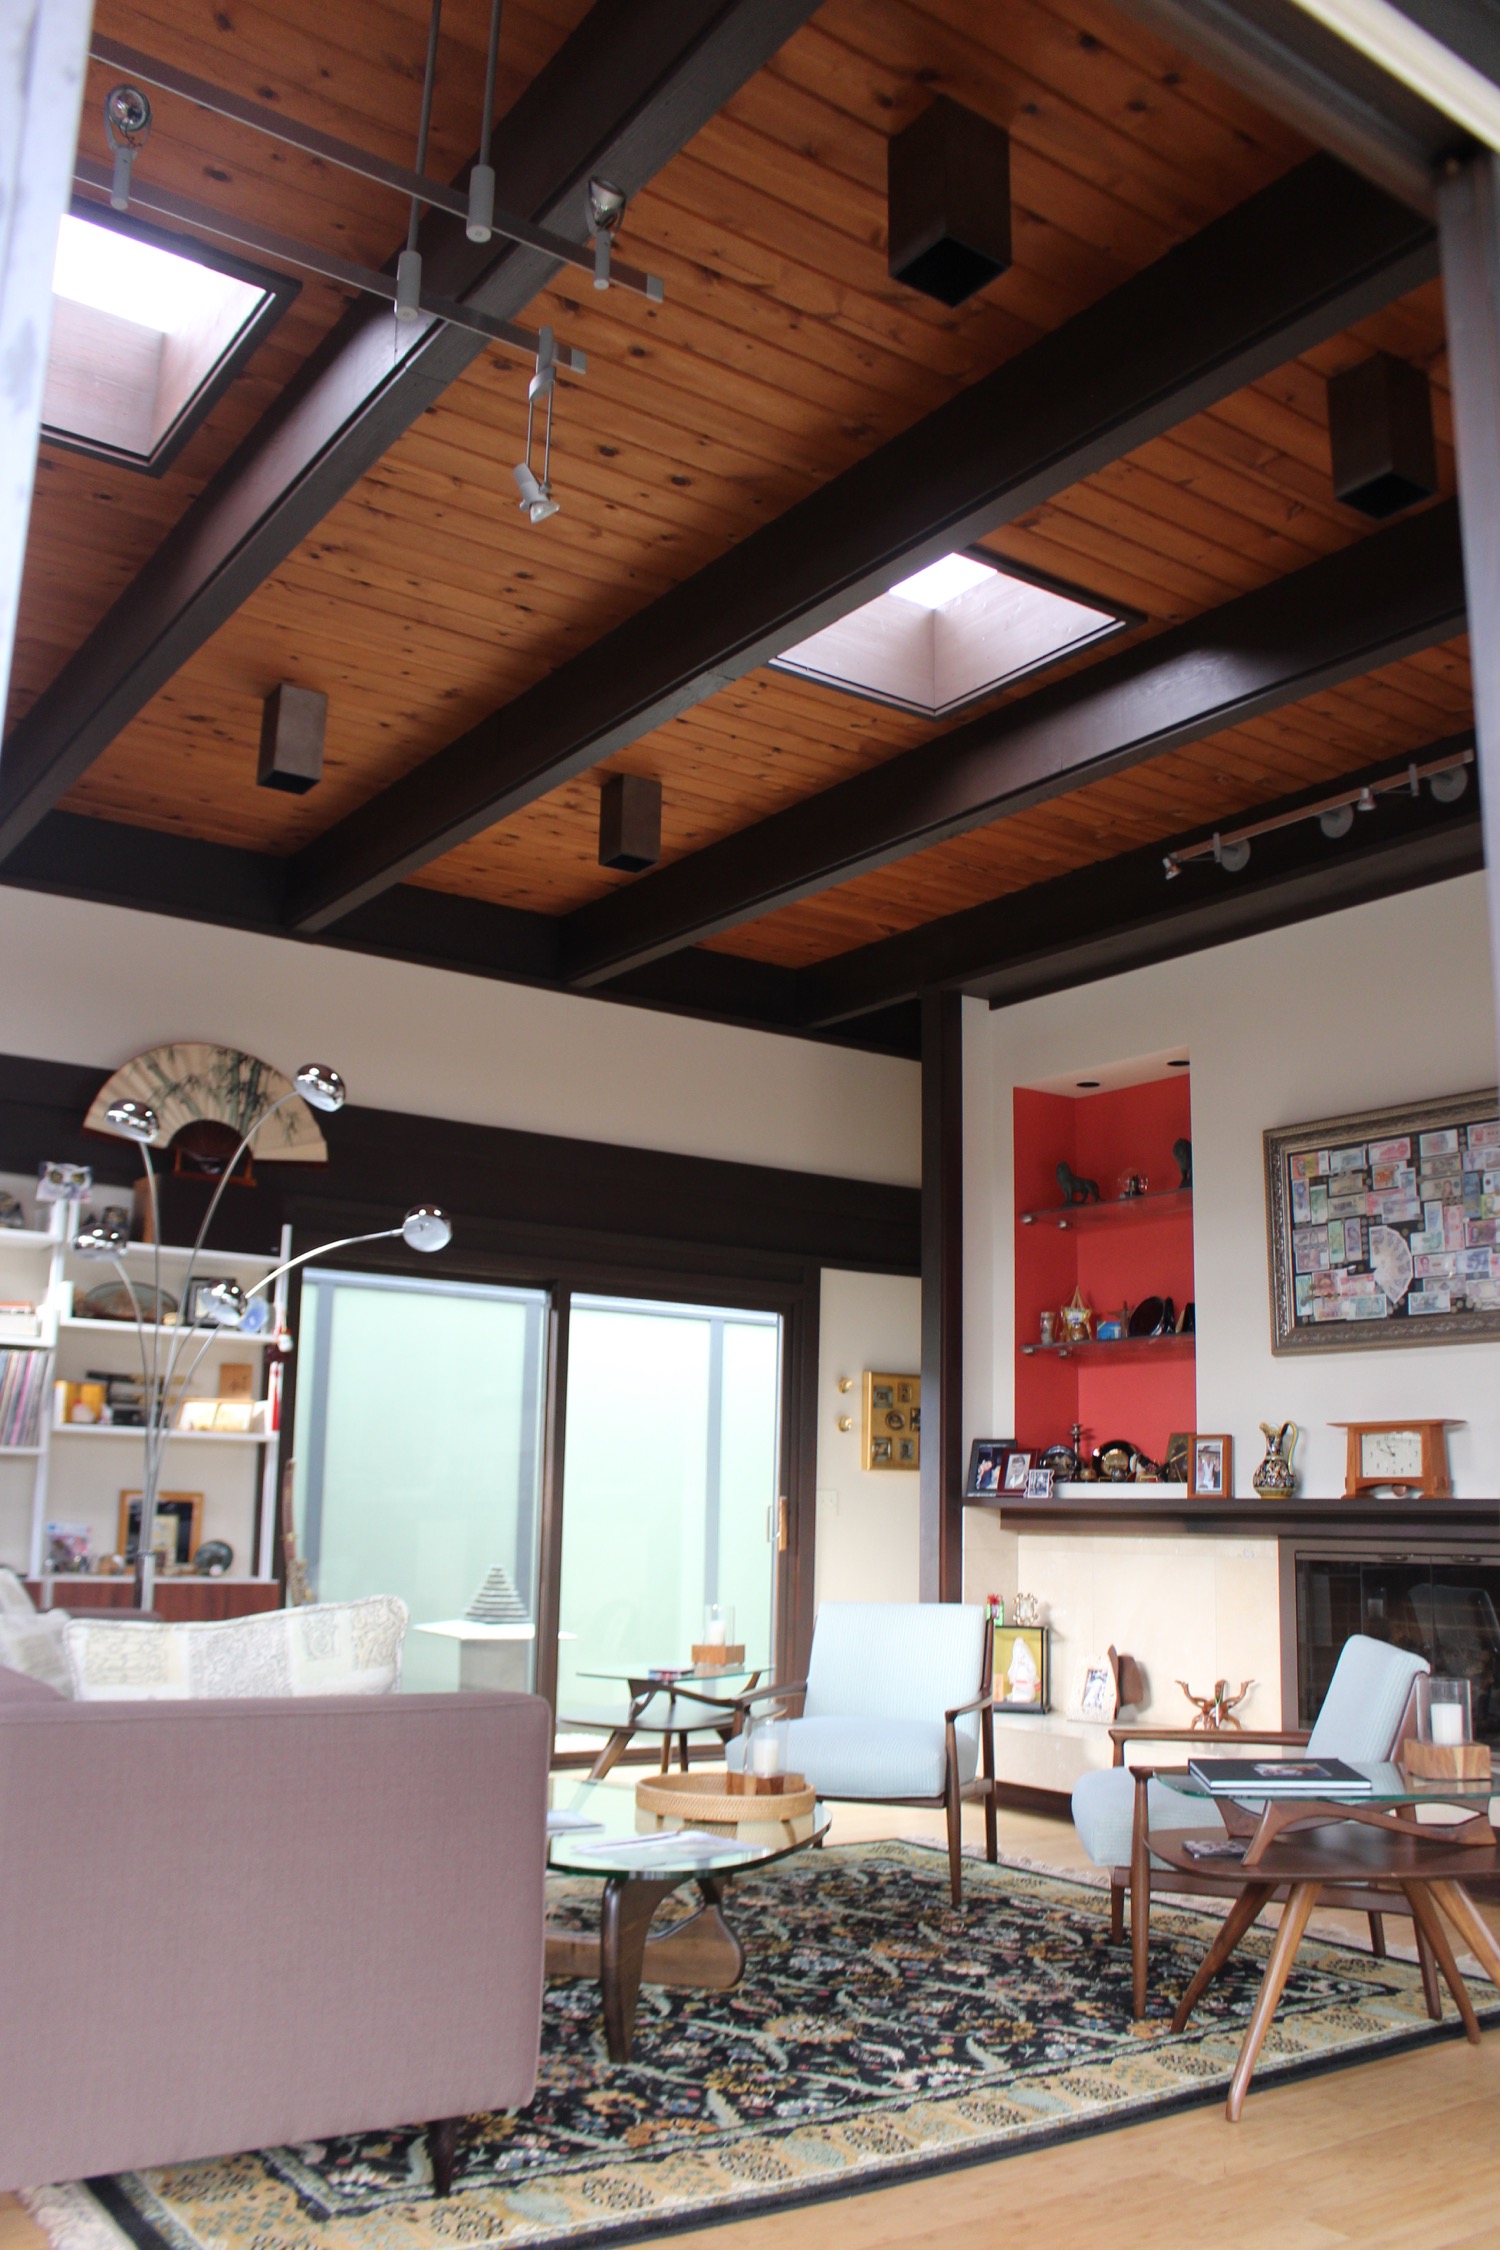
(1396, 592)
(71, 855)
(1124, 914)
(1292, 266)
(622, 95)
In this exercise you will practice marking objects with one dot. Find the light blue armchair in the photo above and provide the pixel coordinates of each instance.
(895, 1711)
(1362, 1717)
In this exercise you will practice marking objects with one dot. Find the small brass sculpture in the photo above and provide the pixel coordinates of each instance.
(1216, 1711)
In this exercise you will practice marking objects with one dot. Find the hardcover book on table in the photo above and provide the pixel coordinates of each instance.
(1279, 1777)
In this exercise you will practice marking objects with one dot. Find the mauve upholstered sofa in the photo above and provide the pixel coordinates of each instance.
(227, 1925)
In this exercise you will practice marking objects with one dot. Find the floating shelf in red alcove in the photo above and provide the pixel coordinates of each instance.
(1067, 1216)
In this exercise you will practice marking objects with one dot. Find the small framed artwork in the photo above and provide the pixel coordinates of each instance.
(1210, 1467)
(892, 1421)
(1021, 1675)
(986, 1466)
(1174, 1462)
(1039, 1484)
(1098, 1699)
(1017, 1470)
(177, 1534)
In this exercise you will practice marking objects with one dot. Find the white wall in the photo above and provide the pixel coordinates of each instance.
(1383, 1004)
(868, 1520)
(98, 984)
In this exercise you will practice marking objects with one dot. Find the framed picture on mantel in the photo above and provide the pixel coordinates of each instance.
(1383, 1227)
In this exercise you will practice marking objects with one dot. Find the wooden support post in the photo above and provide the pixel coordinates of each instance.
(941, 1570)
(1469, 230)
(44, 49)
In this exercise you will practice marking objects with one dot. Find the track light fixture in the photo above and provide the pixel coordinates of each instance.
(127, 128)
(606, 210)
(536, 491)
(1446, 777)
(479, 225)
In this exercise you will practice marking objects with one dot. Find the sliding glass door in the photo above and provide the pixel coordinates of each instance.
(669, 1486)
(418, 1463)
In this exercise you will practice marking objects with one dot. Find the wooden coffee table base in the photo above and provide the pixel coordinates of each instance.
(1425, 1870)
(698, 1954)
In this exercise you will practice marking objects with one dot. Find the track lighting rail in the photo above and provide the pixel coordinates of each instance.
(328, 149)
(1230, 847)
(284, 249)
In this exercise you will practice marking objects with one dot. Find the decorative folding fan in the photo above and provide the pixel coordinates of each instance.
(194, 1081)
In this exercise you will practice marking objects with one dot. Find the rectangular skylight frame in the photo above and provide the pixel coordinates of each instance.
(278, 291)
(889, 620)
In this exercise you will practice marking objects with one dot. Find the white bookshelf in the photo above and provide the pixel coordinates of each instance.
(76, 1472)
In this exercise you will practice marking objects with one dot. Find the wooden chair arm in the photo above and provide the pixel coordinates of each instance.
(985, 1702)
(1119, 1736)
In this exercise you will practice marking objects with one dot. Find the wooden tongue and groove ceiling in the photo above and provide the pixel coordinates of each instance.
(783, 357)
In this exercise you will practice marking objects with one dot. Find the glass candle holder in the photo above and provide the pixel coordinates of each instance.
(1445, 1712)
(765, 1747)
(718, 1626)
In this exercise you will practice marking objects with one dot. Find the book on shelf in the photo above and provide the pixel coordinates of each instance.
(1279, 1777)
(25, 1381)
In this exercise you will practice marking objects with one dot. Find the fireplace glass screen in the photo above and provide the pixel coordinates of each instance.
(1447, 1611)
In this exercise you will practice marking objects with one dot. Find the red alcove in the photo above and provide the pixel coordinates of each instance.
(1146, 1252)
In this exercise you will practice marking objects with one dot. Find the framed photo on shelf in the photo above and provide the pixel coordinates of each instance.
(1039, 1484)
(1383, 1226)
(1210, 1467)
(1017, 1470)
(892, 1421)
(986, 1466)
(1098, 1698)
(177, 1532)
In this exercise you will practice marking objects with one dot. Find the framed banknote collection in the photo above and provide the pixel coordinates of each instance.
(1384, 1227)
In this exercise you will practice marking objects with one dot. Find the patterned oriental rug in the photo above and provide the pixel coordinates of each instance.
(877, 2035)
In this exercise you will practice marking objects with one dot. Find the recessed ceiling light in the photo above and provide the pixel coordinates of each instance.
(1178, 1062)
(146, 331)
(943, 581)
(1088, 1085)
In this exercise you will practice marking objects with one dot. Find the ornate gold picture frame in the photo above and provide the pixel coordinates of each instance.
(1383, 1226)
(892, 1421)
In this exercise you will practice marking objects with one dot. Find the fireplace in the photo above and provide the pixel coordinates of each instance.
(1444, 1607)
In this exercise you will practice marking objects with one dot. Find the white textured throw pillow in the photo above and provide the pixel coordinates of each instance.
(33, 1641)
(329, 1648)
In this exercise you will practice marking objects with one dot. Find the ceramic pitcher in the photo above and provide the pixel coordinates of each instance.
(1274, 1479)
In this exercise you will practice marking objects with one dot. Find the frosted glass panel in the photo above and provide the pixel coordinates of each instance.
(418, 1450)
(670, 1473)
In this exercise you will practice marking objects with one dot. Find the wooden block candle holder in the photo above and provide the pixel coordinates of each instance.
(1446, 1761)
(765, 1784)
(718, 1656)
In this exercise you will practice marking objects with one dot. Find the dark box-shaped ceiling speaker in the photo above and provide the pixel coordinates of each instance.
(292, 721)
(630, 822)
(948, 194)
(1380, 434)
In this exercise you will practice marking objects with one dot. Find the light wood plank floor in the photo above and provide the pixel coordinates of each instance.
(1396, 2155)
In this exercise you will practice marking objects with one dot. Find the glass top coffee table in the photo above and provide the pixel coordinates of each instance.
(1302, 1846)
(641, 1858)
(691, 1699)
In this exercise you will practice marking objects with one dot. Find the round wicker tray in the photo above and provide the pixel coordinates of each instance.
(703, 1796)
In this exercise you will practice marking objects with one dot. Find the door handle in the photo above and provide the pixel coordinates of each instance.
(782, 1525)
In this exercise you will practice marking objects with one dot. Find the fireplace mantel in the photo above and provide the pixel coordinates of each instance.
(1134, 1509)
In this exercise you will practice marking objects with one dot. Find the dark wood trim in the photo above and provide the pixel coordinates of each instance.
(1134, 1509)
(1300, 71)
(1020, 1796)
(71, 855)
(554, 1457)
(1123, 914)
(940, 1565)
(1398, 591)
(624, 93)
(538, 1203)
(1290, 267)
(796, 1606)
(1470, 227)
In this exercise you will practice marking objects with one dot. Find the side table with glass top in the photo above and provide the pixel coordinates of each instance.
(690, 1702)
(631, 1852)
(1370, 1845)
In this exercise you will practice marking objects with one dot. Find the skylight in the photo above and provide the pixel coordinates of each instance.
(145, 333)
(943, 581)
(950, 634)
